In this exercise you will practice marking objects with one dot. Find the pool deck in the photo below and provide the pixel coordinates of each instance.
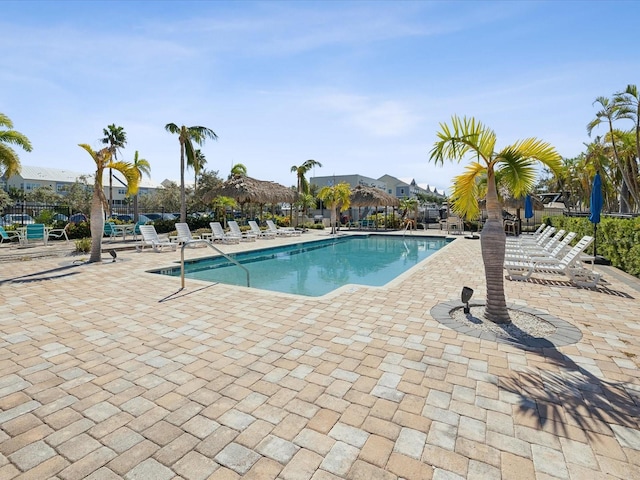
(108, 372)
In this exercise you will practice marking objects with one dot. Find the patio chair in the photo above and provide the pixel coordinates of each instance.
(234, 231)
(547, 252)
(59, 233)
(110, 230)
(8, 236)
(569, 265)
(34, 232)
(217, 234)
(255, 229)
(282, 231)
(136, 228)
(184, 234)
(150, 238)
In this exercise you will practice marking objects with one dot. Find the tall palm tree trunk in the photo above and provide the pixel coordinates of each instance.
(97, 226)
(183, 198)
(493, 242)
(111, 191)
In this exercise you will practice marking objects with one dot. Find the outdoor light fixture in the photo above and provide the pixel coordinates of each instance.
(113, 253)
(465, 296)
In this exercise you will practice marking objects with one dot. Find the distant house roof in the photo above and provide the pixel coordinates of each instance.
(49, 174)
(46, 174)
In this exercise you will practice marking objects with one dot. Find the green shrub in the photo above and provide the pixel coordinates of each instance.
(83, 245)
(45, 216)
(81, 230)
(617, 239)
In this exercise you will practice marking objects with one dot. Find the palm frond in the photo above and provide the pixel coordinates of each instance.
(130, 173)
(467, 190)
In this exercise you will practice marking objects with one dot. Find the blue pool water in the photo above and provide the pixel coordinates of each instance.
(318, 267)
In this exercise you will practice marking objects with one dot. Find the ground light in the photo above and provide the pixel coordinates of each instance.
(465, 296)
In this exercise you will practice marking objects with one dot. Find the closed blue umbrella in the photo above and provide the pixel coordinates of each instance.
(528, 209)
(596, 207)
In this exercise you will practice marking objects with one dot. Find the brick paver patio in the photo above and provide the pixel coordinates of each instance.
(107, 371)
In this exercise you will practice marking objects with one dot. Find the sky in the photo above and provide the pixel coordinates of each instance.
(359, 86)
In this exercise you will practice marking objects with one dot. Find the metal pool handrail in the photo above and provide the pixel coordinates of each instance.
(206, 242)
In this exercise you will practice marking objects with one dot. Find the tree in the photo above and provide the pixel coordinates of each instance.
(78, 195)
(199, 161)
(43, 194)
(142, 167)
(116, 139)
(305, 201)
(187, 136)
(629, 102)
(9, 159)
(336, 196)
(99, 200)
(238, 170)
(469, 138)
(301, 171)
(5, 200)
(611, 111)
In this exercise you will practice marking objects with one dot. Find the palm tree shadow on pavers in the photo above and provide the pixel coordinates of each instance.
(572, 396)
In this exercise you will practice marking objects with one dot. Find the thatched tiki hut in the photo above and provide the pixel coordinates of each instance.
(364, 196)
(246, 190)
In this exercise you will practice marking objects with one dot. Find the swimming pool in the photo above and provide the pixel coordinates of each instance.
(318, 267)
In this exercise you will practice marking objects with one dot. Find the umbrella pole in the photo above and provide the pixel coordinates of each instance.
(595, 242)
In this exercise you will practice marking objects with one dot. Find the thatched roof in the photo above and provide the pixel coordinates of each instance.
(363, 196)
(245, 189)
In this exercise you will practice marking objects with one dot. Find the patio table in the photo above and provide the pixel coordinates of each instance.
(124, 229)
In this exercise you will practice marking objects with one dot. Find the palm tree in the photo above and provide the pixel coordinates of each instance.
(610, 112)
(629, 101)
(143, 168)
(116, 138)
(468, 138)
(187, 137)
(238, 170)
(9, 160)
(99, 200)
(199, 161)
(305, 201)
(301, 171)
(336, 196)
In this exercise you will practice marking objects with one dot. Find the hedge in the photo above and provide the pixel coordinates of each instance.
(618, 239)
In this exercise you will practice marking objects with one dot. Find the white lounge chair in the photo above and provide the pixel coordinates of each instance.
(59, 233)
(529, 249)
(544, 234)
(569, 265)
(150, 238)
(283, 231)
(255, 229)
(541, 254)
(184, 234)
(234, 231)
(9, 236)
(540, 241)
(217, 234)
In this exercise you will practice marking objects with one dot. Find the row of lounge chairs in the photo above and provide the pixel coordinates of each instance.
(234, 235)
(544, 253)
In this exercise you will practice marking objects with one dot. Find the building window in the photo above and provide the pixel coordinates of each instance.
(121, 191)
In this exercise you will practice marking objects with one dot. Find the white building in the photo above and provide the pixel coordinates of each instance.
(31, 178)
